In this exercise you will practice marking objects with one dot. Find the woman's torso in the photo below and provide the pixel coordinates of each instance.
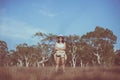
(60, 45)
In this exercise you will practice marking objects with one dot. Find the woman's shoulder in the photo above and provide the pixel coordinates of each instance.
(56, 43)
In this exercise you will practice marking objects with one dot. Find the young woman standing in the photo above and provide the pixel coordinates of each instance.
(60, 47)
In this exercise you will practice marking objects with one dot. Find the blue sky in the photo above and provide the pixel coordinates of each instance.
(21, 19)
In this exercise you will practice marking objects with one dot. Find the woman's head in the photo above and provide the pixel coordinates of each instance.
(60, 39)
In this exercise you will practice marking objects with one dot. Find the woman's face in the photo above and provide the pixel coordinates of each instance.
(60, 39)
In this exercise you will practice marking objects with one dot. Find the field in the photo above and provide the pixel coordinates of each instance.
(48, 73)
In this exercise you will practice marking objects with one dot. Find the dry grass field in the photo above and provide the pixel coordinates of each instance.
(48, 73)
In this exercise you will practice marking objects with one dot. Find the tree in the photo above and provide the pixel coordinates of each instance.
(12, 58)
(46, 46)
(85, 53)
(3, 52)
(102, 40)
(71, 51)
(117, 58)
(28, 55)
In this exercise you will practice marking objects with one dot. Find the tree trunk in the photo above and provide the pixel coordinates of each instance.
(74, 60)
(20, 63)
(98, 57)
(26, 62)
(42, 62)
(81, 63)
(74, 57)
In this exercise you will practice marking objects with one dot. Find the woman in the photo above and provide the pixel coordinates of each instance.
(60, 47)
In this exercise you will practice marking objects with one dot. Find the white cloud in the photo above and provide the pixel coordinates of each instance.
(48, 13)
(17, 29)
(45, 10)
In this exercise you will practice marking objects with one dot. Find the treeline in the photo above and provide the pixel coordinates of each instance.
(93, 48)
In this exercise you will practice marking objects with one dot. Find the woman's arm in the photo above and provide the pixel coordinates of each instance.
(64, 48)
(56, 48)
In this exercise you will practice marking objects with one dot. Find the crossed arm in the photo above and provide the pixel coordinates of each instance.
(56, 48)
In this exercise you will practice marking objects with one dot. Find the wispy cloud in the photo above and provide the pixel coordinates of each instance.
(16, 29)
(45, 9)
(48, 13)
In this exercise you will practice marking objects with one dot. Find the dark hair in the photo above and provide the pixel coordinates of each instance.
(62, 39)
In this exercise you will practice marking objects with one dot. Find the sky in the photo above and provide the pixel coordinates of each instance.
(21, 19)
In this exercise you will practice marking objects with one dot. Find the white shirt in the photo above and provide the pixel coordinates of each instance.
(60, 45)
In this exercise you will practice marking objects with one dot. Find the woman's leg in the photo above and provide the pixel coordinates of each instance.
(63, 64)
(57, 63)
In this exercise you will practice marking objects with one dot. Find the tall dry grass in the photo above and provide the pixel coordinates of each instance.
(48, 73)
